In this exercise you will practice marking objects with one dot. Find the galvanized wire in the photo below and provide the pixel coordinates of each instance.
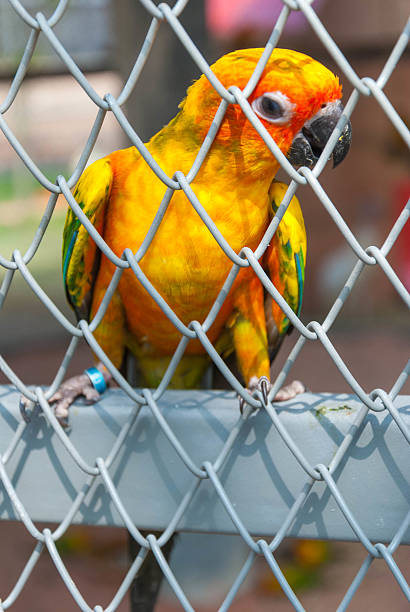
(208, 470)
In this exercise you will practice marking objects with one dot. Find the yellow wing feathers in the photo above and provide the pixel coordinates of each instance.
(80, 255)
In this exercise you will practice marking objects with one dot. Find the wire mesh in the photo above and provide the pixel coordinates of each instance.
(209, 470)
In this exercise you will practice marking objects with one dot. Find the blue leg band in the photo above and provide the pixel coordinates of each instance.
(97, 379)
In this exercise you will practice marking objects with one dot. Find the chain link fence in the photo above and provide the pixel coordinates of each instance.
(204, 481)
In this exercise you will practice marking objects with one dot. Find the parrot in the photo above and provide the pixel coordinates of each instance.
(298, 101)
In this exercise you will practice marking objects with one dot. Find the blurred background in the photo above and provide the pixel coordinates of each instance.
(52, 118)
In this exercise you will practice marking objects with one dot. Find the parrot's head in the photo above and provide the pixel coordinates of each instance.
(297, 99)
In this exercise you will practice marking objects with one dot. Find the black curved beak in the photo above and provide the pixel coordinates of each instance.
(343, 144)
(309, 143)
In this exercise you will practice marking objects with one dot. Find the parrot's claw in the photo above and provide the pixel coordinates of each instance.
(67, 393)
(264, 385)
(261, 384)
(27, 408)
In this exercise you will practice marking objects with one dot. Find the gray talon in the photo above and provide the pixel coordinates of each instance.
(26, 408)
(261, 384)
(265, 386)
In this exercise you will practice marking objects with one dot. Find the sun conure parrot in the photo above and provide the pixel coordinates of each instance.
(298, 101)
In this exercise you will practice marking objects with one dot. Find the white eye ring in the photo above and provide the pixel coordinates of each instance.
(274, 106)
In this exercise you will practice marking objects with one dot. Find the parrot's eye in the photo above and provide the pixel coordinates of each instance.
(271, 108)
(274, 107)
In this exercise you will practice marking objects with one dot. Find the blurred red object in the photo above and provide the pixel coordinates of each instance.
(232, 18)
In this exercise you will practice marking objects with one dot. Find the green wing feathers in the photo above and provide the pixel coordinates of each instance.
(80, 254)
(287, 255)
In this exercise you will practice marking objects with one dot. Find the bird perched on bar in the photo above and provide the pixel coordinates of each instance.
(297, 100)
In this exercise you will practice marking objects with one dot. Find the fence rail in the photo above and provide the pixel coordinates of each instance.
(312, 456)
(315, 422)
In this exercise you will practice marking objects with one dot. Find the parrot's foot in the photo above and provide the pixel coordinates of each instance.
(261, 384)
(88, 385)
(264, 385)
(290, 391)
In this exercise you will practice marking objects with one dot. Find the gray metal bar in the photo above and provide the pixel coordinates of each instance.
(202, 421)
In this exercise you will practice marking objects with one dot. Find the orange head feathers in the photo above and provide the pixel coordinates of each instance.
(293, 89)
